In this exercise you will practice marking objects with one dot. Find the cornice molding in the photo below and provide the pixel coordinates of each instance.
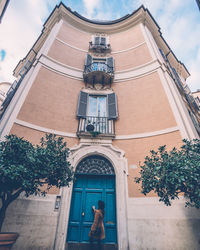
(105, 27)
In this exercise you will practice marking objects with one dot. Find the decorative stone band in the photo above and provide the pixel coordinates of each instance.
(75, 73)
(147, 134)
(61, 68)
(113, 52)
(118, 137)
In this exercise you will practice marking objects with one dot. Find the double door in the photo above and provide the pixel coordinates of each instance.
(87, 190)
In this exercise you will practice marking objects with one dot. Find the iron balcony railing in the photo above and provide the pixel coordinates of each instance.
(98, 66)
(92, 125)
(98, 72)
(99, 47)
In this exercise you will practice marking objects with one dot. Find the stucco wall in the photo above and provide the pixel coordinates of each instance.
(132, 58)
(34, 136)
(143, 106)
(74, 36)
(126, 39)
(35, 220)
(152, 225)
(135, 151)
(67, 55)
(52, 102)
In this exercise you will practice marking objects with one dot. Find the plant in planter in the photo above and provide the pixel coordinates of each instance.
(94, 133)
(91, 127)
(27, 168)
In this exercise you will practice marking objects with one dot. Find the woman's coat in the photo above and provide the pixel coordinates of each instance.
(98, 222)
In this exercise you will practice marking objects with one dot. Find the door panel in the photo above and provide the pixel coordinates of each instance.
(75, 215)
(87, 191)
(91, 199)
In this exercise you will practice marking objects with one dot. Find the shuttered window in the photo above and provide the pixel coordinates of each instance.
(97, 40)
(103, 41)
(83, 104)
(88, 60)
(100, 40)
(112, 106)
(110, 63)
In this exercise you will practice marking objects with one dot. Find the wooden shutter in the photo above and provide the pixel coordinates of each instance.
(103, 41)
(88, 61)
(112, 106)
(110, 63)
(82, 104)
(97, 40)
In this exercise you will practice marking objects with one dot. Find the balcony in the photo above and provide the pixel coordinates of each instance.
(99, 48)
(98, 72)
(96, 127)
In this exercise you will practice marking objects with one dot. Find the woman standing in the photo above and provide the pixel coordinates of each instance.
(97, 229)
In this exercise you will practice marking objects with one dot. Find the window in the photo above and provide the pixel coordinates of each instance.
(99, 44)
(105, 105)
(97, 113)
(97, 106)
(100, 40)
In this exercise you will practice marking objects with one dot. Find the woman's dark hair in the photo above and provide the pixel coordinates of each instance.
(101, 205)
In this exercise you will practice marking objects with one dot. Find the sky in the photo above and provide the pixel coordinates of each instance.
(179, 21)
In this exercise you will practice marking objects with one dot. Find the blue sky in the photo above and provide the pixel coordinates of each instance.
(179, 21)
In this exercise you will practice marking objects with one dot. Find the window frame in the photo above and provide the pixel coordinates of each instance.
(88, 104)
(111, 104)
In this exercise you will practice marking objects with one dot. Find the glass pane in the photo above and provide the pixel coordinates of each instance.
(102, 106)
(92, 111)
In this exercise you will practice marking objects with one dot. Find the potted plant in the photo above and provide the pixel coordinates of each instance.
(25, 168)
(90, 126)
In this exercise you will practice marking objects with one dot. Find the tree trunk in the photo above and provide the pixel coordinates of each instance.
(2, 215)
(5, 203)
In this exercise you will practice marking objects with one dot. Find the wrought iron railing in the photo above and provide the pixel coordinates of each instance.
(96, 126)
(99, 66)
(99, 47)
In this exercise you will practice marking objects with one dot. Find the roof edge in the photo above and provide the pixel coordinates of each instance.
(60, 11)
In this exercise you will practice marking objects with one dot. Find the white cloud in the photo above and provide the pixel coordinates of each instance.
(153, 6)
(20, 27)
(90, 6)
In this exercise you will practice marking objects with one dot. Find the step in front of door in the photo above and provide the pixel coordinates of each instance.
(86, 246)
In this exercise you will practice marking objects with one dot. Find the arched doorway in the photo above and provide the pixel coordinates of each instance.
(95, 180)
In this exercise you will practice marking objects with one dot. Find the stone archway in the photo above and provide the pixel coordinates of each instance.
(119, 164)
(96, 165)
(94, 180)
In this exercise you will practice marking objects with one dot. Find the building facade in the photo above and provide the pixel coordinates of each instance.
(3, 6)
(114, 90)
(4, 87)
(198, 3)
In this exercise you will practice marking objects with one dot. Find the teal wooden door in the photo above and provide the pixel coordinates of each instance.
(87, 190)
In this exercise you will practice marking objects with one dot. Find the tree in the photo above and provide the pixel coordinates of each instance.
(170, 173)
(32, 170)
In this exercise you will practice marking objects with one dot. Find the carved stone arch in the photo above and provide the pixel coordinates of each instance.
(117, 160)
(95, 165)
